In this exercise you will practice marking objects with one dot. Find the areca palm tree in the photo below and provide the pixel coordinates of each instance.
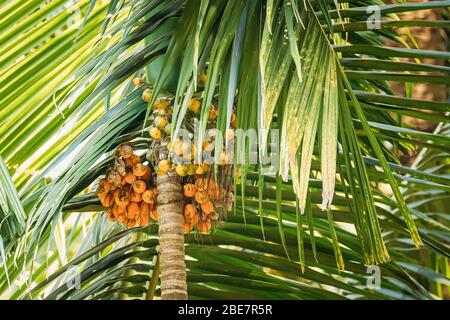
(317, 71)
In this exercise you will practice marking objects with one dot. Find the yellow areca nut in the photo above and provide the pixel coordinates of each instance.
(146, 95)
(161, 104)
(194, 105)
(168, 129)
(191, 169)
(212, 113)
(160, 122)
(164, 166)
(155, 133)
(176, 147)
(138, 82)
(223, 158)
(200, 170)
(202, 79)
(186, 148)
(181, 170)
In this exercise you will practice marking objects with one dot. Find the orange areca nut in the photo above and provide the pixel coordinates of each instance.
(214, 216)
(145, 213)
(201, 197)
(121, 168)
(194, 220)
(207, 207)
(148, 196)
(221, 193)
(118, 211)
(212, 113)
(125, 151)
(188, 227)
(147, 175)
(107, 201)
(189, 190)
(114, 179)
(115, 211)
(121, 197)
(204, 226)
(154, 214)
(201, 184)
(216, 193)
(136, 159)
(139, 169)
(139, 186)
(133, 210)
(131, 161)
(103, 186)
(135, 197)
(144, 220)
(189, 212)
(212, 188)
(130, 178)
(123, 219)
(102, 197)
(110, 215)
(145, 208)
(212, 184)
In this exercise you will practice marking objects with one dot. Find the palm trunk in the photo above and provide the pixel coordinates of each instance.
(171, 237)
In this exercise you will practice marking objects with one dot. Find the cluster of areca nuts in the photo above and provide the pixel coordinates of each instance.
(128, 193)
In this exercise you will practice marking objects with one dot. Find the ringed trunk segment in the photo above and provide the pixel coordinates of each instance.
(171, 237)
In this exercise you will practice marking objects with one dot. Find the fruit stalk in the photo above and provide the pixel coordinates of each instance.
(171, 237)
